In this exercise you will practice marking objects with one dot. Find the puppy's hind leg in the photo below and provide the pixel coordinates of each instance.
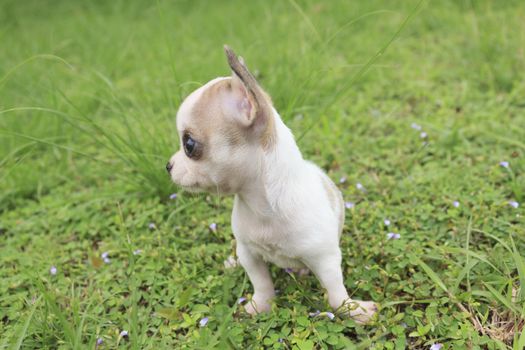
(328, 271)
(259, 275)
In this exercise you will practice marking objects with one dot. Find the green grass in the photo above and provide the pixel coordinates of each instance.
(88, 96)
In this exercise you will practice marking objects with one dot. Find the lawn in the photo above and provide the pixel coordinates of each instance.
(416, 109)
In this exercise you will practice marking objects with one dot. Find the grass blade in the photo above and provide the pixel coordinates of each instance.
(433, 276)
(504, 301)
(23, 332)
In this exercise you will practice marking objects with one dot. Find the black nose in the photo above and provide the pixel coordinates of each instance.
(168, 166)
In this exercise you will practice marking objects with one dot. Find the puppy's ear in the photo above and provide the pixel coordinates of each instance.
(251, 101)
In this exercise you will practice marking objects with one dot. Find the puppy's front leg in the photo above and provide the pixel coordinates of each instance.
(259, 275)
(328, 271)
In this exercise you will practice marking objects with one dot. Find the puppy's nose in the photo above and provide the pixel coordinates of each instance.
(169, 167)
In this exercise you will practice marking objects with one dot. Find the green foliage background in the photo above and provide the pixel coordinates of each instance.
(88, 96)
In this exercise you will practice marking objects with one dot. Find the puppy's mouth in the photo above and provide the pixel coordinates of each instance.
(199, 188)
(192, 186)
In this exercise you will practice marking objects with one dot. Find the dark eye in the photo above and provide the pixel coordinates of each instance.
(190, 145)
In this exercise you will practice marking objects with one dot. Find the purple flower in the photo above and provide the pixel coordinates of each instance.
(99, 342)
(173, 196)
(241, 300)
(514, 204)
(203, 322)
(360, 187)
(415, 126)
(349, 205)
(330, 315)
(504, 164)
(387, 222)
(436, 346)
(392, 235)
(280, 340)
(124, 334)
(288, 270)
(53, 270)
(137, 252)
(213, 227)
(104, 255)
(455, 204)
(423, 135)
(106, 260)
(152, 226)
(313, 314)
(342, 180)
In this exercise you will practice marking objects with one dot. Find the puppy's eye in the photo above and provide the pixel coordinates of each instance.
(190, 146)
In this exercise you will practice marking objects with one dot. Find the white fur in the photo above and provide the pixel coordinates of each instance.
(283, 215)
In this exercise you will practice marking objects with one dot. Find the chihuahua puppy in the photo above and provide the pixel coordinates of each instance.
(287, 210)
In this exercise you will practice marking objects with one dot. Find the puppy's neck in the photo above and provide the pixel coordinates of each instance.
(279, 168)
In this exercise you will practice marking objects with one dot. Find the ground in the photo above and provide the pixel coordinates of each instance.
(421, 103)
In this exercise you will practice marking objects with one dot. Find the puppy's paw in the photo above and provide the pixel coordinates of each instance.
(362, 312)
(253, 307)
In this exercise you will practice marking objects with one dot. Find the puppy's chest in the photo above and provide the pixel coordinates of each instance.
(271, 239)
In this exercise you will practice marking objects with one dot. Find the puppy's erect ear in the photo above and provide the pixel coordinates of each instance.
(251, 101)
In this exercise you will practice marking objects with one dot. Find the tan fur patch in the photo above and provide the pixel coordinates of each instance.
(268, 138)
(263, 102)
(335, 198)
(208, 118)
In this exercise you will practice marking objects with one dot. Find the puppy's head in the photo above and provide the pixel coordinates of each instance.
(222, 126)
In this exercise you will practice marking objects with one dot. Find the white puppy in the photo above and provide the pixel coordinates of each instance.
(287, 210)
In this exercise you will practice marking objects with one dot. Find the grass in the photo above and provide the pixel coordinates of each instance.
(89, 92)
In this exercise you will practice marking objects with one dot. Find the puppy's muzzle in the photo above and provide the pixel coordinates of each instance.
(169, 166)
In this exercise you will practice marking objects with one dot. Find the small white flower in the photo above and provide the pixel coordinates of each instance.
(349, 205)
(514, 204)
(203, 322)
(104, 255)
(504, 164)
(455, 204)
(173, 196)
(360, 187)
(330, 315)
(230, 262)
(342, 180)
(423, 135)
(106, 260)
(124, 334)
(436, 346)
(387, 222)
(392, 235)
(53, 270)
(313, 314)
(137, 251)
(415, 126)
(241, 300)
(375, 113)
(152, 226)
(213, 227)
